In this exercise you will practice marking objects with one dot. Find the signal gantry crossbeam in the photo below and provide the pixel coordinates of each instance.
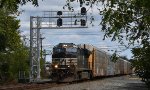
(50, 20)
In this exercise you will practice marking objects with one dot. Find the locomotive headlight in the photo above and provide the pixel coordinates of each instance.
(56, 66)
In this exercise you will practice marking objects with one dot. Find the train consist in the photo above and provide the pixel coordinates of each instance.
(76, 62)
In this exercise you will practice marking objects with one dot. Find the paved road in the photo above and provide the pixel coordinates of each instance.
(115, 83)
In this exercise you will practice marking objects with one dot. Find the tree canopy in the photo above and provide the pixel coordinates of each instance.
(119, 17)
(142, 61)
(13, 5)
(126, 20)
(14, 57)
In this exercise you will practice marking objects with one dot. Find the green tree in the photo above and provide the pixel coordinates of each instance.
(13, 55)
(142, 61)
(125, 20)
(119, 17)
(13, 5)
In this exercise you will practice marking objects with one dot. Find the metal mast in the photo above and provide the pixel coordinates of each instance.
(50, 20)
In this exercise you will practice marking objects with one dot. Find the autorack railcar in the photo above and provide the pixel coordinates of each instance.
(75, 62)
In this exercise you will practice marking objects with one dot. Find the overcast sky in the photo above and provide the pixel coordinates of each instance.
(91, 35)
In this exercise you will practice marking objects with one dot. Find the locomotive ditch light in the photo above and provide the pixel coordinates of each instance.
(64, 45)
(56, 66)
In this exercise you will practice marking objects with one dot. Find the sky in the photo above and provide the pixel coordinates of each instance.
(91, 35)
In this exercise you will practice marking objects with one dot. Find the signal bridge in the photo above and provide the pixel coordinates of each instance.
(51, 20)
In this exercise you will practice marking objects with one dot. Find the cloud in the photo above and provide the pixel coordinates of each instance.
(25, 24)
(44, 5)
(90, 35)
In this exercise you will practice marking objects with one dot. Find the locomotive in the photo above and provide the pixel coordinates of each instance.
(72, 62)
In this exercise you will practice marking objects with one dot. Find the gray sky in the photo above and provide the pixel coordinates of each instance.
(91, 35)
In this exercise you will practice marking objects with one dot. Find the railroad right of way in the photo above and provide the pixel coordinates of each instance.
(115, 83)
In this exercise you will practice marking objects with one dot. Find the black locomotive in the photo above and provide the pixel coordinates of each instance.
(68, 60)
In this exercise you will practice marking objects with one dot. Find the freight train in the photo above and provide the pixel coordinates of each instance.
(76, 62)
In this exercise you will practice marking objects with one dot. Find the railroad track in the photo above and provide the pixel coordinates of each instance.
(45, 85)
(30, 86)
(38, 85)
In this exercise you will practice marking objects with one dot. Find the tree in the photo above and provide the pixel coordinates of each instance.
(13, 55)
(142, 61)
(10, 40)
(130, 17)
(126, 20)
(13, 5)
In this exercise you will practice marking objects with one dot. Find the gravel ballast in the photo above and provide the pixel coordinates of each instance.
(114, 83)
